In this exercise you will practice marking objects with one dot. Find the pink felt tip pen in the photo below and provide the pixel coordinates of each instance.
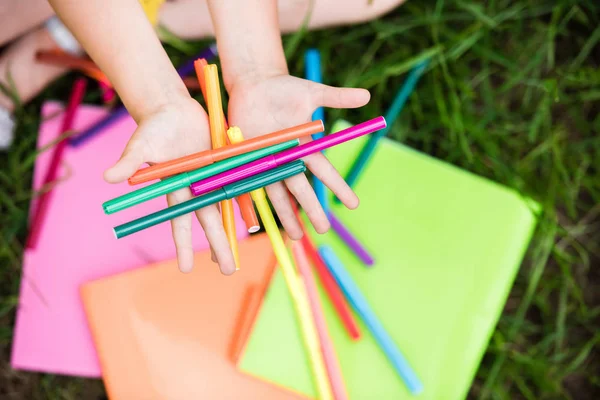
(274, 160)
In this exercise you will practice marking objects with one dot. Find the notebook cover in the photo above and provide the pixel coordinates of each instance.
(77, 244)
(447, 246)
(165, 335)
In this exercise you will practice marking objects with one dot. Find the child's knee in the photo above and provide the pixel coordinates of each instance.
(340, 12)
(375, 8)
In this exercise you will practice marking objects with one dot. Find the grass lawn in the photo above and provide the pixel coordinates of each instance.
(513, 94)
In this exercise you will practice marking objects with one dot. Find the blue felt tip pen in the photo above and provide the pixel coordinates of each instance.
(392, 114)
(360, 305)
(312, 66)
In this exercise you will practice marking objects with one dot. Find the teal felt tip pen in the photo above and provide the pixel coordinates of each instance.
(224, 193)
(185, 179)
(362, 159)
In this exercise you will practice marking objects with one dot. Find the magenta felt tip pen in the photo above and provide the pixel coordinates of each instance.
(272, 161)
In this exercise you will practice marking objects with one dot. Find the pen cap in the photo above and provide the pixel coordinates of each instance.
(331, 140)
(235, 135)
(264, 179)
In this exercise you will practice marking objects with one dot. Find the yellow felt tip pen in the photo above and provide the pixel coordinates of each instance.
(295, 286)
(151, 8)
(218, 139)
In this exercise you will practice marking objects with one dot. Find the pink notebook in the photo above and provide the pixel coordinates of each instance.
(77, 245)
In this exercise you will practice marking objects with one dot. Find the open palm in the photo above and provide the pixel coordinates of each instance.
(282, 101)
(176, 130)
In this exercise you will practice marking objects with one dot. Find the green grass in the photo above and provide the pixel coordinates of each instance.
(512, 94)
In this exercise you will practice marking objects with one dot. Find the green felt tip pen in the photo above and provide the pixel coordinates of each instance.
(224, 193)
(185, 179)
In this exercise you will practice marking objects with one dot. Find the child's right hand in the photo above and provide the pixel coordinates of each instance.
(122, 42)
(173, 130)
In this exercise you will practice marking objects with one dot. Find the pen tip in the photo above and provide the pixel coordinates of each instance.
(382, 119)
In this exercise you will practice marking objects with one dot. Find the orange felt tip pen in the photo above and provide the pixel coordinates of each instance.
(199, 65)
(60, 58)
(244, 201)
(248, 213)
(204, 158)
(218, 139)
(215, 109)
(234, 134)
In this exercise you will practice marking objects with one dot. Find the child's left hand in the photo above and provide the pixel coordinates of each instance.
(269, 104)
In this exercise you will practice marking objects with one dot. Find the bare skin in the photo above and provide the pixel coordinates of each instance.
(171, 124)
(190, 19)
(18, 17)
(18, 62)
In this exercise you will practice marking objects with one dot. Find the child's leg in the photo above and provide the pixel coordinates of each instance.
(190, 19)
(328, 13)
(28, 76)
(20, 16)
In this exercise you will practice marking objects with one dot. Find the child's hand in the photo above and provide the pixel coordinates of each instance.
(175, 130)
(123, 44)
(281, 101)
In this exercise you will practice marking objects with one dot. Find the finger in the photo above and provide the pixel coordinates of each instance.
(326, 172)
(186, 19)
(213, 256)
(281, 203)
(182, 232)
(210, 219)
(304, 193)
(130, 161)
(334, 97)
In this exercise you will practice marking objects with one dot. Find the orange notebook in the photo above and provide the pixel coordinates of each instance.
(161, 334)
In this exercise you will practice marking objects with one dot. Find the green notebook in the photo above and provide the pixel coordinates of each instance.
(447, 245)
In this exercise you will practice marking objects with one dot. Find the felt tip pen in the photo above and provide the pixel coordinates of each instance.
(331, 287)
(312, 68)
(197, 160)
(391, 115)
(362, 307)
(244, 201)
(218, 140)
(227, 192)
(187, 178)
(61, 58)
(39, 213)
(297, 289)
(272, 161)
(120, 112)
(332, 364)
(348, 238)
(312, 72)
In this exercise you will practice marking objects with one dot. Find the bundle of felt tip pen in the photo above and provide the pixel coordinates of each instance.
(265, 343)
(241, 170)
(234, 171)
(227, 171)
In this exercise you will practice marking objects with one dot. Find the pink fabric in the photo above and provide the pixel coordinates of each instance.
(77, 245)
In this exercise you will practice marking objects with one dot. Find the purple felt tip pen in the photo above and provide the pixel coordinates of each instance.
(352, 242)
(274, 160)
